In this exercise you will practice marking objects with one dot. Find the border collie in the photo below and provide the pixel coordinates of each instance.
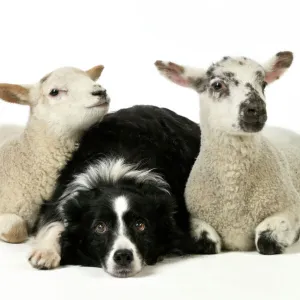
(119, 202)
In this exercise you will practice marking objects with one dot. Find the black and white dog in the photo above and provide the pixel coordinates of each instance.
(119, 202)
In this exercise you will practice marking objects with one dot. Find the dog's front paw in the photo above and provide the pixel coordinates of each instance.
(44, 259)
(207, 239)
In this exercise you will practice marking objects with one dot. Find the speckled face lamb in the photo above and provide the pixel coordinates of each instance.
(236, 85)
(232, 90)
(243, 190)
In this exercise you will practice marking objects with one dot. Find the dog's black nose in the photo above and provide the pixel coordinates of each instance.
(101, 93)
(123, 257)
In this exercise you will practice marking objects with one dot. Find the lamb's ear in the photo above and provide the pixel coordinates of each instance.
(15, 93)
(181, 75)
(95, 72)
(277, 65)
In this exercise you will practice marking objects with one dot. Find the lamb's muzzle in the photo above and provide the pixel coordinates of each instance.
(252, 115)
(103, 99)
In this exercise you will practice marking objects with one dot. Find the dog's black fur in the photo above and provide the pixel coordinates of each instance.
(155, 138)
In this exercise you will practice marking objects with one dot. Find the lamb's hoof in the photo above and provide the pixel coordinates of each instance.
(206, 245)
(267, 245)
(206, 239)
(44, 259)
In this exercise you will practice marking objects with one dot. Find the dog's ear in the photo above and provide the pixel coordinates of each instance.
(71, 252)
(75, 205)
(167, 240)
(77, 215)
(167, 236)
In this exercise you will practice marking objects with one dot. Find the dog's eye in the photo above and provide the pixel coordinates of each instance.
(54, 92)
(101, 228)
(140, 226)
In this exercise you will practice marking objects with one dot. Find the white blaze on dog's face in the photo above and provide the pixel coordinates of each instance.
(118, 217)
(232, 90)
(123, 259)
(68, 99)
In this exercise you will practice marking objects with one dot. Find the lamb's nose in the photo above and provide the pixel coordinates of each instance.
(101, 93)
(251, 112)
(255, 110)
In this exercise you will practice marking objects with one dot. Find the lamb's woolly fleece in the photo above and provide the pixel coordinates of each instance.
(243, 180)
(8, 132)
(33, 162)
(32, 158)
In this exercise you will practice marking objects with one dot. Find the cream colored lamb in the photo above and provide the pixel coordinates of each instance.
(63, 104)
(243, 190)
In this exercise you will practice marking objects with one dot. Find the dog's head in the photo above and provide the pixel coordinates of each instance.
(120, 224)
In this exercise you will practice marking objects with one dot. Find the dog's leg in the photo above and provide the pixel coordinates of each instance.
(207, 239)
(13, 229)
(46, 250)
(274, 234)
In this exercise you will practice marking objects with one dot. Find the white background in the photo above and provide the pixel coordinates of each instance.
(127, 37)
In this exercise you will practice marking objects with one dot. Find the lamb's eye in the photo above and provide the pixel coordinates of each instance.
(139, 225)
(101, 228)
(217, 86)
(54, 92)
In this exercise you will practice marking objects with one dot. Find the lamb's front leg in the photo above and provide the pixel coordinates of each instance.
(207, 239)
(46, 251)
(274, 234)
